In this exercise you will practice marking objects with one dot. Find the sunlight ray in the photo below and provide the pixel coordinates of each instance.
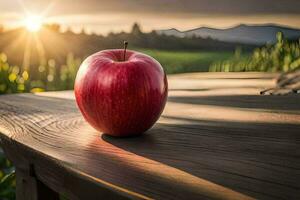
(21, 3)
(40, 50)
(49, 37)
(14, 44)
(27, 54)
(44, 13)
(48, 9)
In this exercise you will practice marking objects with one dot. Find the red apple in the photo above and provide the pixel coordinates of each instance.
(121, 93)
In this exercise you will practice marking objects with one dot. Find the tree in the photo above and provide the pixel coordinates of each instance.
(53, 27)
(69, 31)
(82, 32)
(136, 30)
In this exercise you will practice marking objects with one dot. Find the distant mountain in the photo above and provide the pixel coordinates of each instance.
(248, 34)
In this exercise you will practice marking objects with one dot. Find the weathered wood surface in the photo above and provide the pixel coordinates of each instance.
(217, 139)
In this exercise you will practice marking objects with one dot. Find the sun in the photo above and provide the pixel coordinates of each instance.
(33, 23)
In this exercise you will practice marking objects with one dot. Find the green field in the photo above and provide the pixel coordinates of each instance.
(187, 61)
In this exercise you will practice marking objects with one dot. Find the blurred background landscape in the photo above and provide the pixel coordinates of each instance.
(42, 43)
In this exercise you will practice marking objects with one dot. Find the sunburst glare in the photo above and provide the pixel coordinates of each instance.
(33, 23)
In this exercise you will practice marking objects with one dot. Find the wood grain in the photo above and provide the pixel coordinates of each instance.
(217, 139)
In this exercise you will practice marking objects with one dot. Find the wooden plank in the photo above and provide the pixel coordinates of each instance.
(30, 188)
(217, 139)
(26, 186)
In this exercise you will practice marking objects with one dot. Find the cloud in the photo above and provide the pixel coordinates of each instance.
(116, 15)
(228, 7)
(185, 6)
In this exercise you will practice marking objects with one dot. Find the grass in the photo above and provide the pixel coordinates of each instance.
(187, 61)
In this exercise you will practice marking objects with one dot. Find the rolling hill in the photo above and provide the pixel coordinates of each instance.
(247, 34)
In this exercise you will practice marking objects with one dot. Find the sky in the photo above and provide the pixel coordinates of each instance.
(102, 16)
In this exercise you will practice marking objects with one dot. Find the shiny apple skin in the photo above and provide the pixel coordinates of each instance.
(121, 98)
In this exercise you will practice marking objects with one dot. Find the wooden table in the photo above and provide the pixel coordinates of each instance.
(217, 139)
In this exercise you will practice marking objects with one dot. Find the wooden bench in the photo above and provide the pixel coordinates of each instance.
(217, 139)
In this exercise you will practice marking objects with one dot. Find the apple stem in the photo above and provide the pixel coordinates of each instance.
(125, 47)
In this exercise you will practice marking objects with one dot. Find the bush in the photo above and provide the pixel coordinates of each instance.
(283, 56)
(14, 79)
